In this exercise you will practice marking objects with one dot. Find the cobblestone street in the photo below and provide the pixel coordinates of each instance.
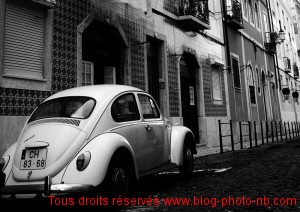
(268, 172)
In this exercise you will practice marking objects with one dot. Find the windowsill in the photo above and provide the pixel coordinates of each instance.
(217, 101)
(24, 77)
(237, 88)
(253, 105)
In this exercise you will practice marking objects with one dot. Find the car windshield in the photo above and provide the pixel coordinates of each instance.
(65, 107)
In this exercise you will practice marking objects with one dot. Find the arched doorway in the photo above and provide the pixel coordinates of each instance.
(103, 54)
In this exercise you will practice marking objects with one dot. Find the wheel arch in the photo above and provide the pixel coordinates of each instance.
(181, 136)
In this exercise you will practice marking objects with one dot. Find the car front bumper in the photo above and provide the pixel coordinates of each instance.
(47, 188)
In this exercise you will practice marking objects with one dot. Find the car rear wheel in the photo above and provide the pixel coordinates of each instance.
(117, 179)
(187, 167)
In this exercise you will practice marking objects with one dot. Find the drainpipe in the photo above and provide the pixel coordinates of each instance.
(226, 42)
(275, 57)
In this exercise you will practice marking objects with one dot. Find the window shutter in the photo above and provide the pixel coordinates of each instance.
(24, 39)
(216, 85)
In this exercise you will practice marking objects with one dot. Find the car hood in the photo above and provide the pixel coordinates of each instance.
(50, 148)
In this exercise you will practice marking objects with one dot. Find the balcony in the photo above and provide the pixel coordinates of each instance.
(234, 14)
(271, 42)
(287, 65)
(296, 71)
(194, 14)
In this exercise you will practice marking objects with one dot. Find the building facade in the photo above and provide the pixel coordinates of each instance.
(172, 49)
(285, 17)
(251, 74)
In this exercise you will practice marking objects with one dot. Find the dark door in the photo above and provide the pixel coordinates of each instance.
(153, 69)
(188, 99)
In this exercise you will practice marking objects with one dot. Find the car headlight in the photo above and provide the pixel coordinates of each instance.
(83, 161)
(3, 162)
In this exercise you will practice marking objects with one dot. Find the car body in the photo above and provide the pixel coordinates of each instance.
(91, 138)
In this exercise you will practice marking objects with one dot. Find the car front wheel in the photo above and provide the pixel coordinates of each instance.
(187, 167)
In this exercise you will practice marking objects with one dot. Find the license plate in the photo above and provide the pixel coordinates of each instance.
(33, 159)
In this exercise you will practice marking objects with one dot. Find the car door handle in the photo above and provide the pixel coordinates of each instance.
(148, 127)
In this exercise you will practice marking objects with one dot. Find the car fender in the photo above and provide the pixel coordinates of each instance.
(101, 148)
(181, 134)
(10, 153)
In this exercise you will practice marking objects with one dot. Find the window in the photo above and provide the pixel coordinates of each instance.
(25, 24)
(257, 19)
(236, 72)
(109, 75)
(251, 15)
(251, 85)
(149, 109)
(266, 23)
(258, 81)
(125, 108)
(87, 73)
(245, 10)
(216, 84)
(192, 95)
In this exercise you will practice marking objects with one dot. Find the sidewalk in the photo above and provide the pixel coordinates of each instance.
(203, 150)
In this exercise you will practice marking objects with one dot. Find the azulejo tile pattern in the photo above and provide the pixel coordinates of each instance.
(19, 102)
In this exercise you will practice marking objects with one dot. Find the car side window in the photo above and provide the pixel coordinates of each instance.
(125, 108)
(149, 108)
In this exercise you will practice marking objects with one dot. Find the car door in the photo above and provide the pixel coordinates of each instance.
(153, 142)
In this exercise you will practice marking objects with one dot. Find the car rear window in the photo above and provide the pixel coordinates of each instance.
(65, 107)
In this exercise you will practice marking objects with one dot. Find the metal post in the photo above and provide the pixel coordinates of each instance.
(292, 130)
(220, 135)
(262, 132)
(276, 130)
(250, 136)
(281, 130)
(285, 129)
(289, 130)
(272, 132)
(241, 135)
(231, 135)
(267, 132)
(255, 136)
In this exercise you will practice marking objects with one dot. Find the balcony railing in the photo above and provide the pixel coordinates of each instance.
(234, 14)
(194, 14)
(287, 64)
(296, 71)
(270, 42)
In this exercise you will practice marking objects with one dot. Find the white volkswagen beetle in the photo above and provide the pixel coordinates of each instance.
(93, 138)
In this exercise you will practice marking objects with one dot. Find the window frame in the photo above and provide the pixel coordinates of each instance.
(154, 104)
(136, 108)
(83, 72)
(21, 82)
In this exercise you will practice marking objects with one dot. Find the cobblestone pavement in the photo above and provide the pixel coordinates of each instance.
(254, 177)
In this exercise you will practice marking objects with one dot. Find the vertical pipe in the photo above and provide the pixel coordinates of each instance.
(220, 135)
(231, 135)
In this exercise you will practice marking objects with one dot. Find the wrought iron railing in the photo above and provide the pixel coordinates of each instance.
(296, 71)
(234, 11)
(287, 64)
(196, 8)
(270, 41)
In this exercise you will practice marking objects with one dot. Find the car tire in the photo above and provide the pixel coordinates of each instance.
(187, 167)
(117, 179)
